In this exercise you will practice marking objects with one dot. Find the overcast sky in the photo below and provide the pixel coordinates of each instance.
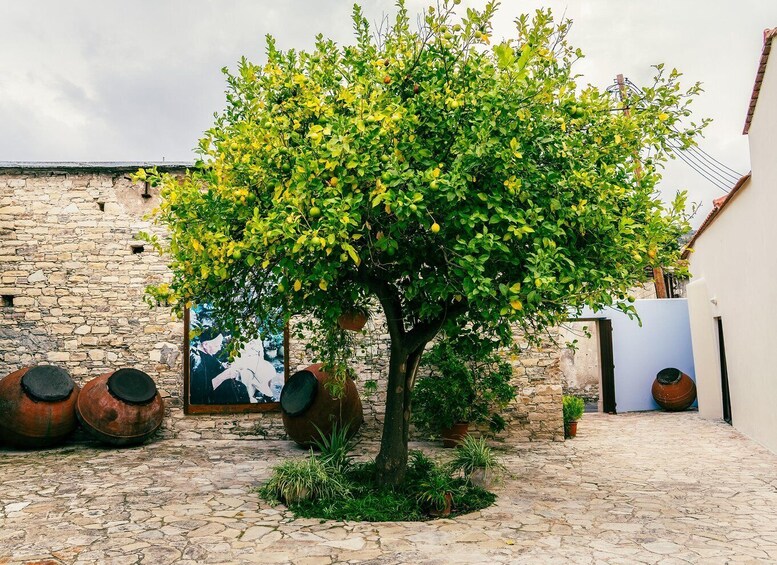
(110, 80)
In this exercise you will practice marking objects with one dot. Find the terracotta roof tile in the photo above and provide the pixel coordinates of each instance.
(769, 34)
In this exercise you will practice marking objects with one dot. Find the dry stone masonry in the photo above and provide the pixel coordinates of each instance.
(72, 277)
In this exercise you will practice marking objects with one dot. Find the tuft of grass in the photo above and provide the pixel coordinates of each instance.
(335, 448)
(298, 480)
(472, 454)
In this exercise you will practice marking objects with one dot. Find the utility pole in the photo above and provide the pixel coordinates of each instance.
(658, 272)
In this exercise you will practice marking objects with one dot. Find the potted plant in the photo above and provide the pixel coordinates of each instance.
(573, 408)
(476, 461)
(463, 384)
(353, 319)
(436, 493)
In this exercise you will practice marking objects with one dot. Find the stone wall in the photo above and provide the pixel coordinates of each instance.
(72, 279)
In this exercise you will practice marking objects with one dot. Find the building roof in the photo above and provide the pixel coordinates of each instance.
(718, 205)
(92, 166)
(759, 76)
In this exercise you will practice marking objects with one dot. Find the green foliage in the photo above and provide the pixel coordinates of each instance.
(304, 479)
(335, 448)
(465, 383)
(410, 501)
(465, 179)
(472, 454)
(461, 184)
(573, 408)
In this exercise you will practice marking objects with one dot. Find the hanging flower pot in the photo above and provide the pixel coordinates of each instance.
(352, 321)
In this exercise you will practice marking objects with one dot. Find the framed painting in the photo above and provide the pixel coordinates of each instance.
(214, 384)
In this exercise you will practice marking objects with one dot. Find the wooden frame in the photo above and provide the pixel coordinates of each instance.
(239, 408)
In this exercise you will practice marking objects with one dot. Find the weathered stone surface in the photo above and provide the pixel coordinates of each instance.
(636, 488)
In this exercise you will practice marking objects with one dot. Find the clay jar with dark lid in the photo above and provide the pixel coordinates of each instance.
(37, 406)
(673, 390)
(307, 407)
(121, 408)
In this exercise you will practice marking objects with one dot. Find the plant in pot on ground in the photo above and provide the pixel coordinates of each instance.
(467, 382)
(476, 461)
(573, 408)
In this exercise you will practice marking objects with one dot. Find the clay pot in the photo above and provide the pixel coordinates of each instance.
(453, 435)
(673, 390)
(353, 321)
(307, 407)
(570, 429)
(481, 478)
(445, 512)
(121, 408)
(37, 406)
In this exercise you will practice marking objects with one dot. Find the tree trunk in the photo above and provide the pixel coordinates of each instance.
(391, 462)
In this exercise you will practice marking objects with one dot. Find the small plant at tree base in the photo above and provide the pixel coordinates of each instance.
(335, 448)
(416, 499)
(304, 479)
(474, 454)
(436, 491)
(465, 383)
(573, 408)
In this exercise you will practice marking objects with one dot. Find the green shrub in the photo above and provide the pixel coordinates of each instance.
(573, 408)
(465, 383)
(472, 454)
(304, 479)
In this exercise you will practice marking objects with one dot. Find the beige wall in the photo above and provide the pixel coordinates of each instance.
(734, 270)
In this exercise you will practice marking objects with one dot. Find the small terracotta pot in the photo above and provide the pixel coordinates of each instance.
(352, 321)
(445, 512)
(451, 437)
(570, 429)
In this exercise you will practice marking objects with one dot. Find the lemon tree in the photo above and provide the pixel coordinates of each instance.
(461, 181)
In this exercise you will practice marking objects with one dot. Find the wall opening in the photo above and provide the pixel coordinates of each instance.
(101, 206)
(587, 369)
(137, 249)
(6, 301)
(724, 388)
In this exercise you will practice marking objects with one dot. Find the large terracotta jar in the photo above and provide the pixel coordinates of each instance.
(121, 408)
(673, 390)
(37, 406)
(307, 406)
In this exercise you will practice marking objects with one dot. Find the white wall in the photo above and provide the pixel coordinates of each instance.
(640, 352)
(734, 270)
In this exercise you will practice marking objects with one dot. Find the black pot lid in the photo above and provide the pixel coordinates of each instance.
(132, 386)
(669, 376)
(298, 393)
(47, 383)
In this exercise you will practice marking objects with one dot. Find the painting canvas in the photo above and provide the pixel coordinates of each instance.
(251, 381)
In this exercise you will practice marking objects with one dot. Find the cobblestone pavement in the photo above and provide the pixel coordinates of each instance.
(635, 488)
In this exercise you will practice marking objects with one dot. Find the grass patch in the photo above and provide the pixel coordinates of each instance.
(367, 501)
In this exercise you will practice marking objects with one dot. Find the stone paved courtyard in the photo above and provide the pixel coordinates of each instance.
(636, 488)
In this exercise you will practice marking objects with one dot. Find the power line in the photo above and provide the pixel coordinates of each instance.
(715, 172)
(727, 180)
